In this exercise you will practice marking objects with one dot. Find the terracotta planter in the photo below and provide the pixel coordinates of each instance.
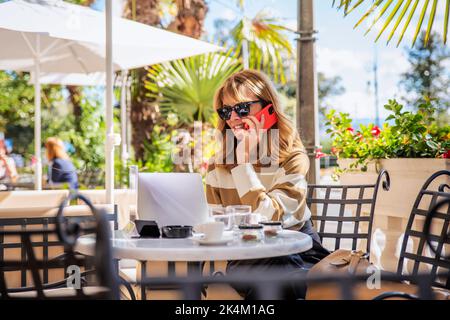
(393, 208)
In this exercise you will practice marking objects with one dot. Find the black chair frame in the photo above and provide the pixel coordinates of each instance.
(324, 217)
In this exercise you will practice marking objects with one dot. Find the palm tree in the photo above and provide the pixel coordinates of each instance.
(143, 112)
(186, 87)
(190, 17)
(188, 20)
(380, 8)
(267, 44)
(76, 92)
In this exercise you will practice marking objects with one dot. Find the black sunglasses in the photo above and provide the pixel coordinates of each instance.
(242, 109)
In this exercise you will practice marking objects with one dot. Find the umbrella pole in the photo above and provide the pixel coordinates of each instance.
(37, 119)
(123, 118)
(109, 107)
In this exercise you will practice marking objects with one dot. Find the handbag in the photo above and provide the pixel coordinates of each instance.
(349, 261)
(340, 261)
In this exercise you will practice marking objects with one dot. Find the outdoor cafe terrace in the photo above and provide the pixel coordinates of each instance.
(107, 185)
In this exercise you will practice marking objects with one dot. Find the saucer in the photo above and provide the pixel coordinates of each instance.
(215, 242)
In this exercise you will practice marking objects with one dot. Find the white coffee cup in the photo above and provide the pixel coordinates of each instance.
(212, 230)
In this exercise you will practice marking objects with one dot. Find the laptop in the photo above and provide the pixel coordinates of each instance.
(172, 198)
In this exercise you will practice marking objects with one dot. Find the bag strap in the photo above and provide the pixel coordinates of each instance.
(352, 261)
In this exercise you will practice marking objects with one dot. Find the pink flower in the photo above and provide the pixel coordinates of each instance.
(319, 153)
(204, 165)
(375, 131)
(360, 136)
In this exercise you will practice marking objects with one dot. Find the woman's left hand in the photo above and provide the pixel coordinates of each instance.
(246, 150)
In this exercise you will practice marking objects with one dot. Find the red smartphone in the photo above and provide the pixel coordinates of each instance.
(270, 117)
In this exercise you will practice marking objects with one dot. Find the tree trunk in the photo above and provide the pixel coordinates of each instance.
(190, 18)
(143, 11)
(307, 108)
(189, 21)
(75, 92)
(143, 110)
(75, 99)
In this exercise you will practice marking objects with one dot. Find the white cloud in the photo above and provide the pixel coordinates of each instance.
(292, 24)
(392, 63)
(341, 61)
(359, 104)
(356, 70)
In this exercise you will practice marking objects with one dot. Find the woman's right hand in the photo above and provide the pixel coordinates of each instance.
(246, 150)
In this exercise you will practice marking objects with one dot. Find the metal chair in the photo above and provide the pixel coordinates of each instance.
(324, 218)
(434, 236)
(67, 230)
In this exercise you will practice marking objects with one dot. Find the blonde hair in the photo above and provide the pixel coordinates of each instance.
(55, 148)
(261, 86)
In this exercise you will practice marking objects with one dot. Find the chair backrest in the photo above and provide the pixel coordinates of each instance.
(346, 208)
(426, 241)
(27, 244)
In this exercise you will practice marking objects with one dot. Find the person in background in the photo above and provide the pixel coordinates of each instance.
(61, 169)
(8, 171)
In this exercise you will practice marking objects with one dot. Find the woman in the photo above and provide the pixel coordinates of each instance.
(277, 189)
(61, 169)
(8, 171)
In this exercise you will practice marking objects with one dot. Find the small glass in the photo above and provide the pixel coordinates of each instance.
(271, 229)
(251, 232)
(226, 219)
(238, 209)
(240, 215)
(217, 210)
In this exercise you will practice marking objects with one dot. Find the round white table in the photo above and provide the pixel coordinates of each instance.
(165, 249)
(188, 250)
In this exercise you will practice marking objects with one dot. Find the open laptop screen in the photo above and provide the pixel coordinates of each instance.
(172, 198)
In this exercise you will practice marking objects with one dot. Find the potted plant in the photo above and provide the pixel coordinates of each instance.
(408, 145)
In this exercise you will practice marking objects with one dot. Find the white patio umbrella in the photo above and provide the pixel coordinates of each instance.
(72, 79)
(54, 36)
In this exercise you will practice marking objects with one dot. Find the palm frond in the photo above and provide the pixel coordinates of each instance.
(447, 10)
(187, 87)
(405, 27)
(419, 25)
(267, 43)
(424, 12)
(431, 20)
(399, 19)
(391, 16)
(383, 10)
